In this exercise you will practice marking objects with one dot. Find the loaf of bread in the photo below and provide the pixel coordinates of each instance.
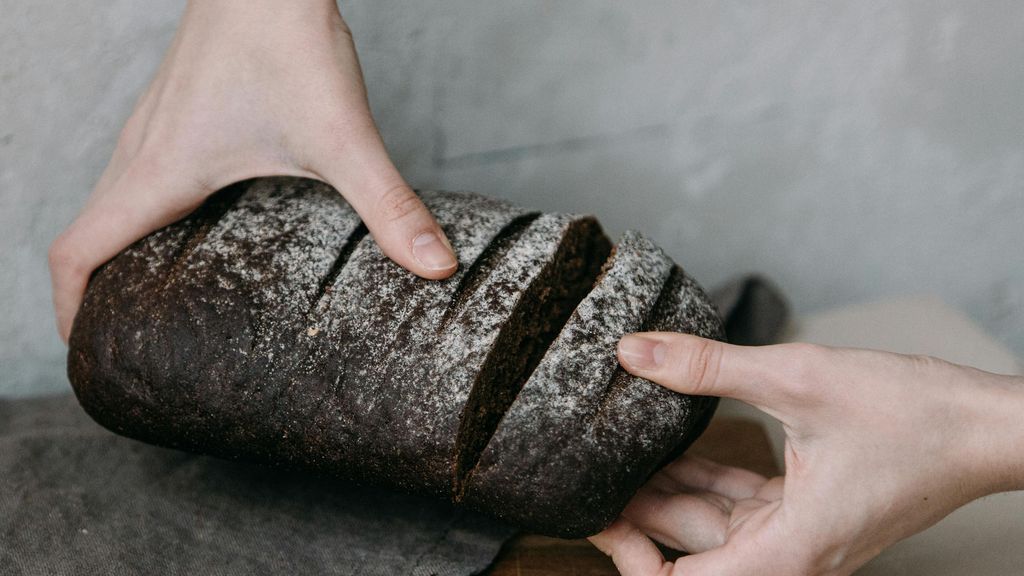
(269, 326)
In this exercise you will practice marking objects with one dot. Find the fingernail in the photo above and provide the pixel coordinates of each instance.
(432, 252)
(641, 353)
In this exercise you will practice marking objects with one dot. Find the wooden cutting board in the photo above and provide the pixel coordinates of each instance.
(732, 441)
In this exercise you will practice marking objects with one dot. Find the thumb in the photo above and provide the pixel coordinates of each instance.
(346, 151)
(397, 219)
(765, 376)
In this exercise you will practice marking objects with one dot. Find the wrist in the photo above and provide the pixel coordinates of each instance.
(274, 5)
(269, 11)
(997, 433)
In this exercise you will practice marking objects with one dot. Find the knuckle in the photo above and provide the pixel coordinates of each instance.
(924, 364)
(397, 204)
(712, 476)
(703, 364)
(705, 474)
(341, 26)
(66, 264)
(61, 255)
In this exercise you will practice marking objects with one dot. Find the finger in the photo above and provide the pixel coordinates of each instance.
(693, 473)
(660, 481)
(772, 490)
(682, 521)
(137, 203)
(349, 154)
(400, 223)
(764, 547)
(746, 560)
(632, 552)
(745, 509)
(765, 376)
(728, 561)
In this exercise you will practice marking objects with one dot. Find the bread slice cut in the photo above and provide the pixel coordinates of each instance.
(409, 375)
(582, 435)
(362, 399)
(506, 320)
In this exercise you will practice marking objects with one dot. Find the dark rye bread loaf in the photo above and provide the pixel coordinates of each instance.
(268, 326)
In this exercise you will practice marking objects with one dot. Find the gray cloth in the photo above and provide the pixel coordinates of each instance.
(77, 499)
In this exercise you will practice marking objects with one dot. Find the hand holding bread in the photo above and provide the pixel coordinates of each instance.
(248, 88)
(879, 446)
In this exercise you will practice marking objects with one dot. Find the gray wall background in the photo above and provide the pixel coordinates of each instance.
(849, 150)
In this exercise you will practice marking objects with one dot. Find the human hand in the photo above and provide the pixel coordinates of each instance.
(878, 446)
(248, 88)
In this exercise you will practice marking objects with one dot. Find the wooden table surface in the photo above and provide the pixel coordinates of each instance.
(733, 441)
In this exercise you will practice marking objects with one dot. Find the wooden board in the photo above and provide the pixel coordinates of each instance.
(732, 441)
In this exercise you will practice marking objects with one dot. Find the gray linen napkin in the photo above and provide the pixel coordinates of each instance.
(77, 499)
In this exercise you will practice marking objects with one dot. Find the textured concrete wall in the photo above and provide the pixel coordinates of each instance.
(849, 150)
